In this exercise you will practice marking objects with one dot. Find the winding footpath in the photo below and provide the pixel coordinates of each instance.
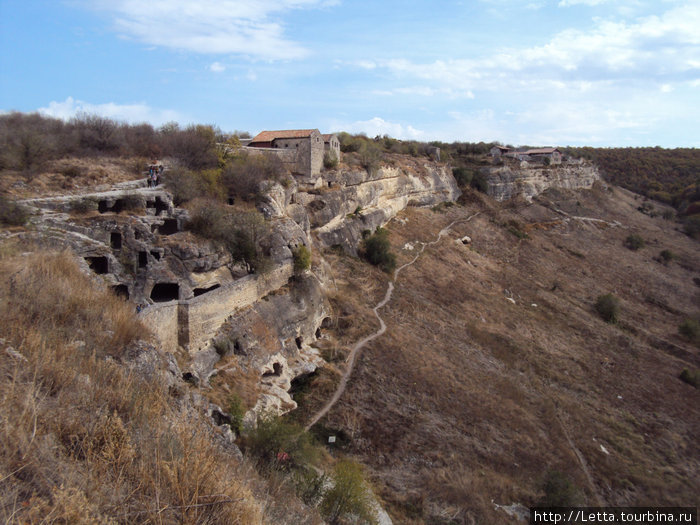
(382, 326)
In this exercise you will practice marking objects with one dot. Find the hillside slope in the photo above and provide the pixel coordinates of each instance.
(496, 371)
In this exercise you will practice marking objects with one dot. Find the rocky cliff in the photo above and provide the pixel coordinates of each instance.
(508, 181)
(134, 240)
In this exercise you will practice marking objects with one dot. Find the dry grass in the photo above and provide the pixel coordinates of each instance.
(469, 398)
(82, 439)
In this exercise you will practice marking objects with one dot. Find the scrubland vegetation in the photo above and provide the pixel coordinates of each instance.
(84, 438)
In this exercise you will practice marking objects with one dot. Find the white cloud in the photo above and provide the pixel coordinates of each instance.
(378, 126)
(132, 113)
(210, 26)
(569, 3)
(649, 49)
(217, 67)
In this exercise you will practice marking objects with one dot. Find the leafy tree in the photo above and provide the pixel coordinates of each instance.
(377, 250)
(349, 495)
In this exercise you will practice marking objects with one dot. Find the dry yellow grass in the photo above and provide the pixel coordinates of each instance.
(83, 439)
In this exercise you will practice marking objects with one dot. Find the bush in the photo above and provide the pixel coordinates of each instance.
(330, 160)
(463, 176)
(559, 491)
(690, 329)
(240, 233)
(349, 495)
(278, 445)
(237, 411)
(376, 250)
(12, 213)
(691, 226)
(480, 183)
(302, 259)
(195, 146)
(370, 155)
(667, 256)
(691, 377)
(186, 185)
(244, 174)
(608, 307)
(634, 242)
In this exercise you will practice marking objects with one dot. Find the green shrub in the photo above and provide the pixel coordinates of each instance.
(12, 213)
(608, 307)
(480, 183)
(310, 485)
(330, 160)
(692, 377)
(463, 176)
(349, 496)
(278, 445)
(667, 256)
(236, 409)
(690, 329)
(691, 226)
(302, 259)
(370, 155)
(377, 250)
(634, 242)
(559, 491)
(515, 228)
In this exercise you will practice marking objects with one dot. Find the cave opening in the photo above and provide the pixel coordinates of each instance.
(202, 291)
(118, 205)
(298, 341)
(143, 259)
(318, 333)
(103, 207)
(168, 227)
(164, 292)
(115, 240)
(99, 265)
(156, 255)
(121, 290)
(276, 371)
(160, 206)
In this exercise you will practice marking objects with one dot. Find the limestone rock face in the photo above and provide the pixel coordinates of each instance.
(355, 200)
(133, 239)
(506, 182)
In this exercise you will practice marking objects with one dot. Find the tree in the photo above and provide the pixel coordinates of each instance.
(377, 250)
(349, 495)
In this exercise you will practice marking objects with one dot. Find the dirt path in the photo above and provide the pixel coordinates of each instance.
(382, 326)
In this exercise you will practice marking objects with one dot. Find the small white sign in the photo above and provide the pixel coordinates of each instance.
(331, 439)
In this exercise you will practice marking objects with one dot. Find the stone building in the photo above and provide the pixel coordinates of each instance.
(331, 144)
(301, 150)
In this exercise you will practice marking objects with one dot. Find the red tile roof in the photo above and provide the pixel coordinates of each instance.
(327, 137)
(540, 151)
(269, 136)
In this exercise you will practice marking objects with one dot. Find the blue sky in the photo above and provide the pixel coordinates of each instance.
(538, 72)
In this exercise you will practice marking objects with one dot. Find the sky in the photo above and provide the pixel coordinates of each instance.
(535, 72)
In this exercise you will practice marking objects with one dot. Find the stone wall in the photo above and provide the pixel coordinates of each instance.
(204, 315)
(192, 323)
(162, 320)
